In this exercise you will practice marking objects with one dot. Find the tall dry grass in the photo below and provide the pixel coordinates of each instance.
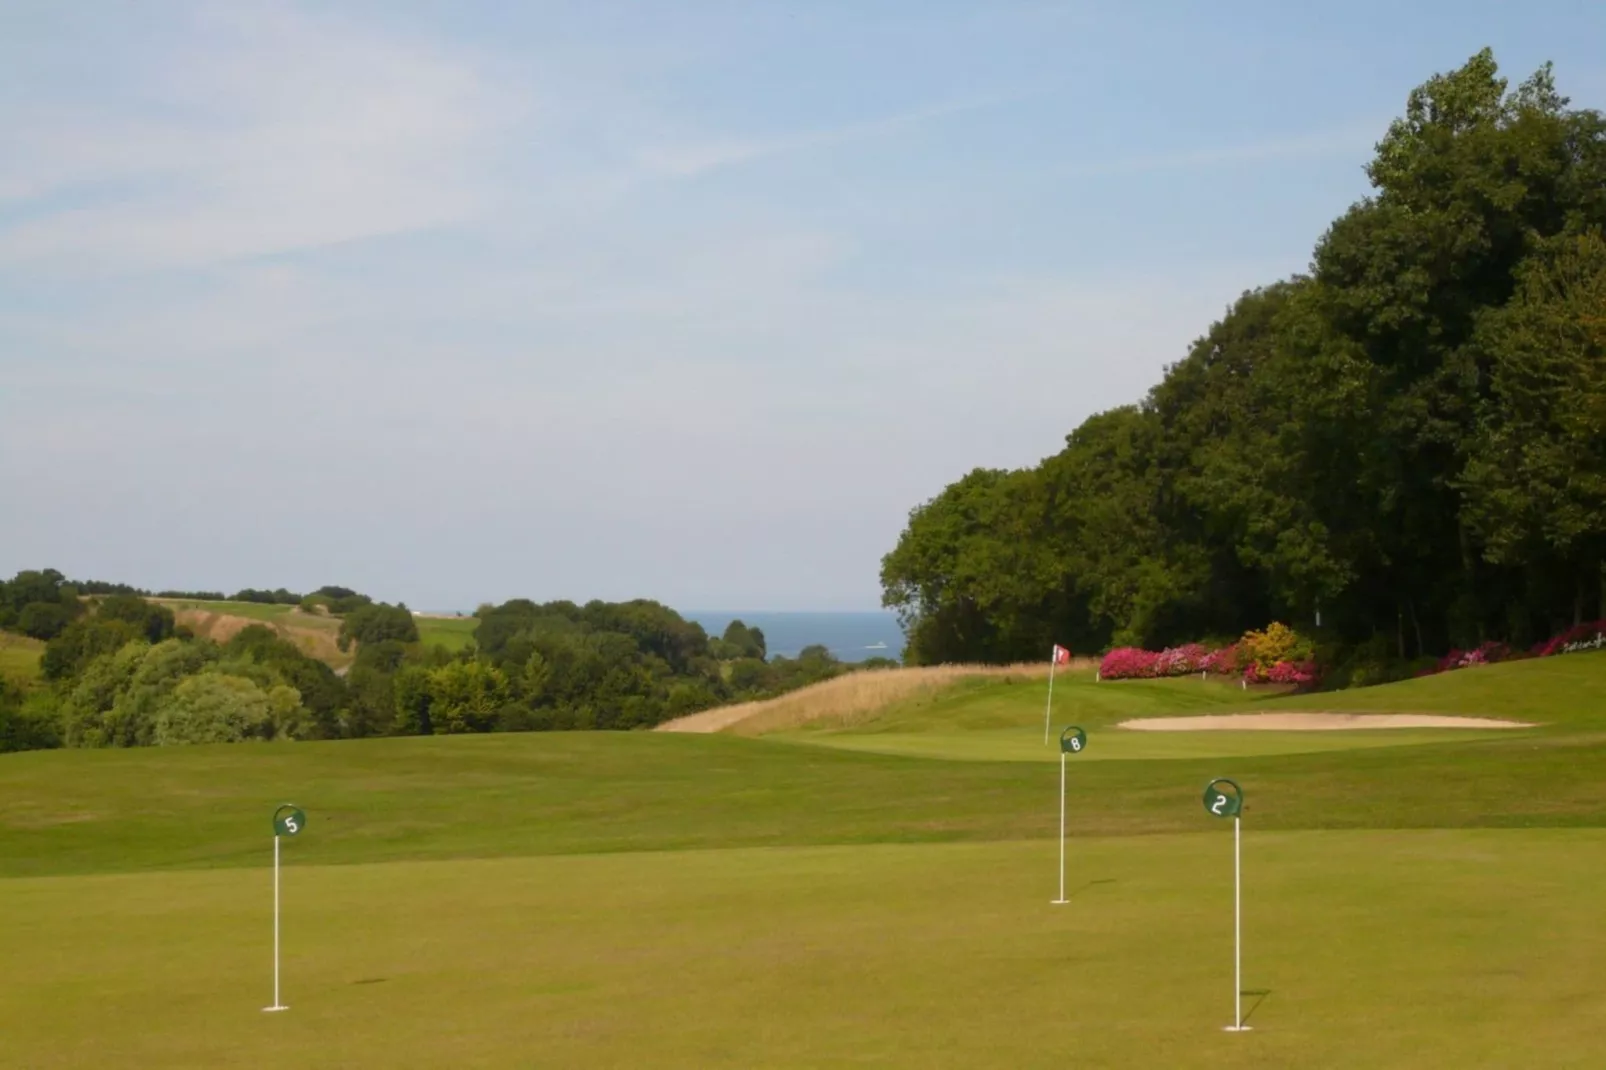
(321, 643)
(847, 700)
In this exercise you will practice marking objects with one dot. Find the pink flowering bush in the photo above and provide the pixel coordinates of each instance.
(1182, 660)
(1223, 662)
(1128, 663)
(1299, 673)
(1487, 654)
(1591, 636)
(1131, 663)
(1581, 637)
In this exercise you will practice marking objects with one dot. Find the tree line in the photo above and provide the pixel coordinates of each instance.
(118, 670)
(1402, 449)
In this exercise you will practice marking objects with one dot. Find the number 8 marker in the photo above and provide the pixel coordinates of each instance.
(1072, 740)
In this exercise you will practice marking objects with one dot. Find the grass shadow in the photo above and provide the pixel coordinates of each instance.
(1073, 894)
(1260, 995)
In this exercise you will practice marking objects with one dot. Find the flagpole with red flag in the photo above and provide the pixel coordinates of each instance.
(1059, 656)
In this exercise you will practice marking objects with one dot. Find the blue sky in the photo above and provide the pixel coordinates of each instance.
(460, 301)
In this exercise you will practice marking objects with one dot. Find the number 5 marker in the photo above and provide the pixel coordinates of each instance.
(288, 820)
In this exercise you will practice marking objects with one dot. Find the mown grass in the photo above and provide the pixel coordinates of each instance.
(661, 899)
(1118, 745)
(1568, 691)
(498, 796)
(1374, 949)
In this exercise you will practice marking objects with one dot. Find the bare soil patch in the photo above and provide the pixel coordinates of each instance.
(1309, 722)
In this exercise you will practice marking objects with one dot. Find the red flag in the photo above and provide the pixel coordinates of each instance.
(1061, 655)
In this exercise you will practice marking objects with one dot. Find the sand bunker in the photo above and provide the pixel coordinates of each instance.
(1309, 722)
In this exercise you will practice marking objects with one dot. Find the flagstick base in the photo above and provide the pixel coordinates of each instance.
(1237, 1028)
(270, 1010)
(1059, 902)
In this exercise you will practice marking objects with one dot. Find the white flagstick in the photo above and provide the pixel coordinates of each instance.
(1062, 899)
(1237, 930)
(1220, 804)
(1072, 741)
(277, 1006)
(1049, 712)
(288, 820)
(1237, 925)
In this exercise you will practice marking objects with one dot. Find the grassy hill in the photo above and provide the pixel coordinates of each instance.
(316, 634)
(597, 899)
(19, 657)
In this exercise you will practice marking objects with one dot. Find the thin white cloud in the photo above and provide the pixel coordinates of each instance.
(692, 157)
(279, 132)
(1355, 138)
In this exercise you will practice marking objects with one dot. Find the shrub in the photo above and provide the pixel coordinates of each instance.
(1128, 663)
(1226, 661)
(1277, 643)
(43, 620)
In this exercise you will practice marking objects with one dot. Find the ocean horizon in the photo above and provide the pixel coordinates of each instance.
(855, 637)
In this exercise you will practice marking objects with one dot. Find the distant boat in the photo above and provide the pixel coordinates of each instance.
(876, 646)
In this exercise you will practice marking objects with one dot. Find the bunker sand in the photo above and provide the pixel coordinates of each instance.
(1309, 722)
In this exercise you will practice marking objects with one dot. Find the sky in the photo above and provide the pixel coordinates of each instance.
(463, 301)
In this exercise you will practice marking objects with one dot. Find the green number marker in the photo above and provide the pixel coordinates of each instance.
(1073, 740)
(288, 821)
(1220, 803)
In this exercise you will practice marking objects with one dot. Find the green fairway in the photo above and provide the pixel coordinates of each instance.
(1002, 720)
(830, 897)
(1568, 691)
(1119, 744)
(1361, 948)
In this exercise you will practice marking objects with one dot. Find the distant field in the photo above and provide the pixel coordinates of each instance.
(453, 633)
(314, 633)
(19, 657)
(252, 610)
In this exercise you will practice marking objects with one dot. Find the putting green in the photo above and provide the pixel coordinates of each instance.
(1377, 948)
(1119, 744)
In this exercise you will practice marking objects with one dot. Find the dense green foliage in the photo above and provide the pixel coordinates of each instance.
(38, 604)
(1407, 445)
(118, 671)
(378, 623)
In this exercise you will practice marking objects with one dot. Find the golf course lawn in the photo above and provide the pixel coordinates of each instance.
(654, 899)
(1383, 949)
(1002, 745)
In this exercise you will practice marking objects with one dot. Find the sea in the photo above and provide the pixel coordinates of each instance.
(848, 636)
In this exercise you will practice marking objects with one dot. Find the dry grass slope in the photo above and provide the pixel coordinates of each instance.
(847, 700)
(316, 637)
